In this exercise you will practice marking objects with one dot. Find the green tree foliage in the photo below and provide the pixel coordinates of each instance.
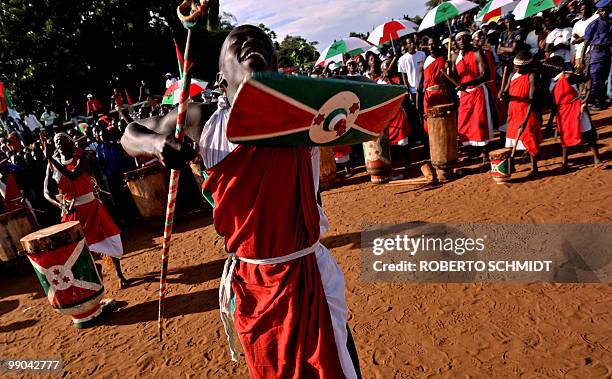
(432, 3)
(52, 50)
(271, 33)
(359, 35)
(297, 52)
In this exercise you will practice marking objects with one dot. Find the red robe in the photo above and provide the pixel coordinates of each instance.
(434, 84)
(267, 208)
(517, 110)
(496, 104)
(570, 122)
(399, 127)
(474, 119)
(13, 198)
(94, 218)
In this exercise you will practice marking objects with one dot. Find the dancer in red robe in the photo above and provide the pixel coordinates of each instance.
(281, 290)
(433, 84)
(69, 172)
(522, 113)
(475, 123)
(572, 114)
(498, 108)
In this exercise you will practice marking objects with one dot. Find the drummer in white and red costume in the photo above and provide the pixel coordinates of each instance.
(572, 115)
(475, 123)
(69, 171)
(287, 296)
(521, 90)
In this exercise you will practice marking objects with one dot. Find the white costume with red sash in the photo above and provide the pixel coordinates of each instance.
(101, 233)
(281, 287)
(475, 123)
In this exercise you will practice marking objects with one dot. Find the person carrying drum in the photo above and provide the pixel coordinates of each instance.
(67, 170)
(281, 287)
(523, 114)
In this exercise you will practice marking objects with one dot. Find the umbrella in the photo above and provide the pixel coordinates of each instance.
(495, 8)
(173, 93)
(352, 46)
(527, 8)
(392, 30)
(445, 12)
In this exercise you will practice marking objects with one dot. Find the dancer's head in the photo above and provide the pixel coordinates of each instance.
(246, 49)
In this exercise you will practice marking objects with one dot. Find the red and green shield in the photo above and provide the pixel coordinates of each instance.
(280, 110)
(68, 276)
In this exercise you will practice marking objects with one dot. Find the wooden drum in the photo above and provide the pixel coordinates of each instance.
(149, 188)
(378, 158)
(442, 124)
(327, 168)
(66, 271)
(13, 226)
(500, 165)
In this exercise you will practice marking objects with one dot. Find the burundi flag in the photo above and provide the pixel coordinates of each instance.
(285, 110)
(5, 100)
(67, 276)
(173, 93)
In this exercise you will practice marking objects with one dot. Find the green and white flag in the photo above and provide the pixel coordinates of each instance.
(352, 46)
(445, 12)
(527, 8)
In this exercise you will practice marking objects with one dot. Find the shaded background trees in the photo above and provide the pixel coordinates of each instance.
(53, 50)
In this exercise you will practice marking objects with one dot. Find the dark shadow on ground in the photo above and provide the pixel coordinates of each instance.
(18, 325)
(197, 274)
(178, 305)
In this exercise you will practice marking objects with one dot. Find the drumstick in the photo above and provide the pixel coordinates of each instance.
(452, 80)
(504, 79)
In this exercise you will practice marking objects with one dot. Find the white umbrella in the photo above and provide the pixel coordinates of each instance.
(446, 11)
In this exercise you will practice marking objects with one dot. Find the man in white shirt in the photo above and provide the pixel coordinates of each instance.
(169, 80)
(558, 42)
(578, 35)
(32, 122)
(48, 117)
(409, 65)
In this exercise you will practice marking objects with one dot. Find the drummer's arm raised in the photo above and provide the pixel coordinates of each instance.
(47, 188)
(154, 137)
(82, 165)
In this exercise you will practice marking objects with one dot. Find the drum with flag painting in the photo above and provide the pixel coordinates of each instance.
(500, 165)
(149, 188)
(442, 124)
(327, 166)
(13, 226)
(378, 158)
(66, 271)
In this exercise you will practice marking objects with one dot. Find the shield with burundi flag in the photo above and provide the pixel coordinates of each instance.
(279, 110)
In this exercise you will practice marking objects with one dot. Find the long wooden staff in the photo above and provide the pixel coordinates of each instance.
(179, 133)
(504, 80)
